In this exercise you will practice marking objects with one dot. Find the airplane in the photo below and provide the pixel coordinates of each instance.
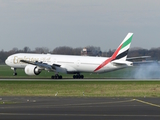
(34, 64)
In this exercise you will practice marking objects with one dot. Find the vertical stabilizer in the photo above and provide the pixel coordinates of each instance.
(122, 51)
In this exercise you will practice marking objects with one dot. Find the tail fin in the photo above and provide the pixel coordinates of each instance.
(120, 53)
(122, 50)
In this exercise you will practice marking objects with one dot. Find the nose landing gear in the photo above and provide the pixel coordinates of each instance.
(14, 73)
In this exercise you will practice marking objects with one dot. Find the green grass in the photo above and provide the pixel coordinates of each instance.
(76, 88)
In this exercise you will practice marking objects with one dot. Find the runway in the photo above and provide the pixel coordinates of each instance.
(79, 108)
(68, 79)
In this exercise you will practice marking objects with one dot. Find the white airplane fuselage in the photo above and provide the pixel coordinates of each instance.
(69, 62)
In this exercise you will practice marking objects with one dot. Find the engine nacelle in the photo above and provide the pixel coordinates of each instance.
(32, 70)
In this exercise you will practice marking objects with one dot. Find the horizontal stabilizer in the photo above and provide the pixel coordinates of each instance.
(140, 58)
(119, 64)
(122, 63)
(145, 63)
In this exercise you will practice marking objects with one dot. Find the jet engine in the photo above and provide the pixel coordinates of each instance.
(32, 70)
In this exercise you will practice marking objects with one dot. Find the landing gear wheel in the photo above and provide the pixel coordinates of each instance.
(14, 74)
(56, 77)
(81, 76)
(60, 77)
(52, 77)
(78, 76)
(74, 76)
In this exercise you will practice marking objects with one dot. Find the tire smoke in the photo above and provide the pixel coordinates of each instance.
(147, 71)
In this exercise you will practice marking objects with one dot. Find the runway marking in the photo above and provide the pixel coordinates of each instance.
(148, 103)
(99, 103)
(80, 104)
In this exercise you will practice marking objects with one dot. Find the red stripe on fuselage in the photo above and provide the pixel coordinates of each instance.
(109, 59)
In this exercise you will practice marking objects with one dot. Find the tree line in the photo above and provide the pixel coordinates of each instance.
(91, 51)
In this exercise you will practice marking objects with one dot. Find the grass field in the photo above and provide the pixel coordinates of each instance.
(78, 88)
(81, 88)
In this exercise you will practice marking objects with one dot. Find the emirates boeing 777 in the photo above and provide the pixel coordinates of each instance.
(33, 64)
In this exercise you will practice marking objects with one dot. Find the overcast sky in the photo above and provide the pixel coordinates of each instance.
(78, 23)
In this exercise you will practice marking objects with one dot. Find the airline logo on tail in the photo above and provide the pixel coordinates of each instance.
(120, 53)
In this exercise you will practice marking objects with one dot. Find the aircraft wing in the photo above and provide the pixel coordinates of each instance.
(41, 65)
(45, 66)
(29, 62)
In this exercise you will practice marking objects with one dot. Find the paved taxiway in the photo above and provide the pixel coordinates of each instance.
(71, 108)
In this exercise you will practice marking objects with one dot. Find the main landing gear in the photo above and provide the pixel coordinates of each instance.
(78, 76)
(56, 76)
